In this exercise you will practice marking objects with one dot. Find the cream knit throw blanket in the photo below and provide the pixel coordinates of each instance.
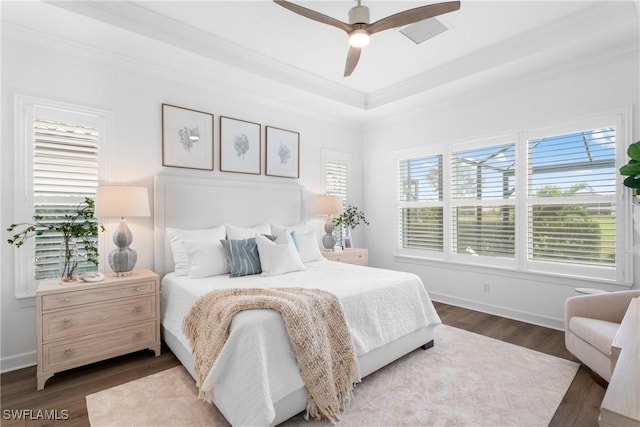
(317, 331)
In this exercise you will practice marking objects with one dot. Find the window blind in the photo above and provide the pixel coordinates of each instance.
(420, 197)
(336, 178)
(482, 180)
(572, 186)
(65, 171)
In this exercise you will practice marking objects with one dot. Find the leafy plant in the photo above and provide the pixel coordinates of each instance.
(632, 169)
(80, 225)
(351, 218)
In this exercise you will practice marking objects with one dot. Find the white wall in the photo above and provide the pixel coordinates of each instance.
(497, 109)
(63, 67)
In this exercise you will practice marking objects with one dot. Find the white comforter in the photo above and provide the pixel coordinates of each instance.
(257, 366)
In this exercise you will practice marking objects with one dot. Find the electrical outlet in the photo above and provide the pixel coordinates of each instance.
(486, 287)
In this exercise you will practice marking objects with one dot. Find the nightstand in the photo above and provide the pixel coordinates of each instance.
(355, 256)
(82, 323)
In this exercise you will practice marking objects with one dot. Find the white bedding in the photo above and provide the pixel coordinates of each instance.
(257, 366)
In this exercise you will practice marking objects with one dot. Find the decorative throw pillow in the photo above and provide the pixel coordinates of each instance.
(206, 257)
(242, 255)
(240, 233)
(309, 247)
(279, 256)
(276, 229)
(178, 237)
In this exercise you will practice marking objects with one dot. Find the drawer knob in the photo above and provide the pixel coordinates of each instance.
(66, 323)
(138, 289)
(137, 309)
(138, 335)
(68, 352)
(66, 300)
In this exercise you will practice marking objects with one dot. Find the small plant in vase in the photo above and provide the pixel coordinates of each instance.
(349, 220)
(79, 227)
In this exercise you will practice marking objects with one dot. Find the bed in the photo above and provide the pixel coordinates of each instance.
(255, 379)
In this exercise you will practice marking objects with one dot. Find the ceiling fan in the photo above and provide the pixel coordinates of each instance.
(359, 28)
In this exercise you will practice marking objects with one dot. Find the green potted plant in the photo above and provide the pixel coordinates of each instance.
(349, 220)
(632, 169)
(79, 227)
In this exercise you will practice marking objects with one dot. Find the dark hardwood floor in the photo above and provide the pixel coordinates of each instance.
(66, 390)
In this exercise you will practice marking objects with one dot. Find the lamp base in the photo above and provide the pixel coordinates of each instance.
(123, 258)
(122, 261)
(329, 240)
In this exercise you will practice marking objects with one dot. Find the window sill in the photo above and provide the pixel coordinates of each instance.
(551, 278)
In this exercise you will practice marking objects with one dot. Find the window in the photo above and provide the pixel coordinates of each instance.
(572, 199)
(420, 207)
(58, 151)
(541, 200)
(336, 168)
(483, 201)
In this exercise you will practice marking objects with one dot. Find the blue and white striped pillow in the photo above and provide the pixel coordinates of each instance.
(242, 256)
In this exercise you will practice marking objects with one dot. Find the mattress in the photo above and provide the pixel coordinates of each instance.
(256, 369)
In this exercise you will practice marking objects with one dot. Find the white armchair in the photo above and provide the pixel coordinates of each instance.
(591, 323)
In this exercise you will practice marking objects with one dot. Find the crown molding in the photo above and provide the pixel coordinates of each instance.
(550, 36)
(146, 22)
(140, 20)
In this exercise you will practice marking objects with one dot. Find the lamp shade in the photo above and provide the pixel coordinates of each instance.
(121, 201)
(328, 205)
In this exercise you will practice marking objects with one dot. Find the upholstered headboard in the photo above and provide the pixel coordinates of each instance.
(192, 203)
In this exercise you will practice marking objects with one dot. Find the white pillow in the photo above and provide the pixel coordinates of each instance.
(278, 257)
(202, 248)
(240, 233)
(277, 230)
(308, 247)
(206, 257)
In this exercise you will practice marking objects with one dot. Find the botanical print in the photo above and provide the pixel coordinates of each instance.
(283, 152)
(187, 138)
(239, 146)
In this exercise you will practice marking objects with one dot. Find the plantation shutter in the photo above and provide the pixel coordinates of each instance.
(336, 179)
(65, 171)
(483, 201)
(420, 203)
(571, 194)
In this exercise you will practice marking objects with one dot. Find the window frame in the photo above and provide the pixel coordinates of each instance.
(26, 108)
(621, 274)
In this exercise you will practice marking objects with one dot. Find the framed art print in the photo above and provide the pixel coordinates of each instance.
(187, 138)
(240, 149)
(283, 153)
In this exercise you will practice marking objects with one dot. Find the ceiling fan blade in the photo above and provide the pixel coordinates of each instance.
(352, 60)
(316, 16)
(412, 15)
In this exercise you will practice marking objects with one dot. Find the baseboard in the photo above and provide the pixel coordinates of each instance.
(509, 313)
(19, 361)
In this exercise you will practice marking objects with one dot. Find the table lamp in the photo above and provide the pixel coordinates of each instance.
(122, 201)
(328, 205)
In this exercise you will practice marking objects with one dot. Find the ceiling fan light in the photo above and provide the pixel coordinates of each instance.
(359, 38)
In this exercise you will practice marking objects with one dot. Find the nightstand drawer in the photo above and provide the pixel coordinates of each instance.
(75, 353)
(73, 298)
(103, 317)
(353, 256)
(357, 259)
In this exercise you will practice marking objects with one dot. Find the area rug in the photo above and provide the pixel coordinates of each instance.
(465, 380)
